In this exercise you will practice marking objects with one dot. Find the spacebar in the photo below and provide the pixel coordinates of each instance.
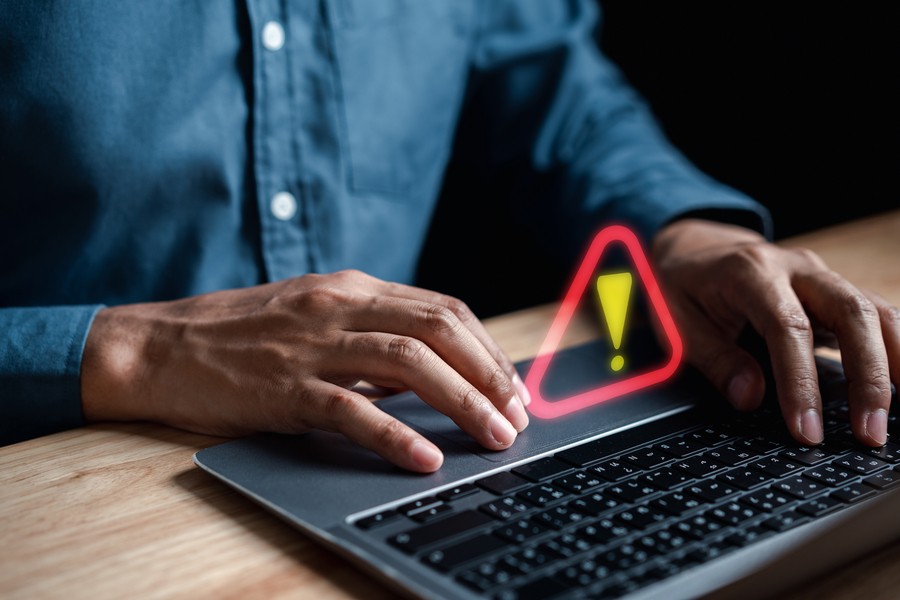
(415, 539)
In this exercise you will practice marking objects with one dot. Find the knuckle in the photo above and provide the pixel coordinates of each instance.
(859, 308)
(440, 319)
(470, 400)
(339, 405)
(407, 351)
(810, 257)
(389, 434)
(498, 383)
(459, 308)
(794, 322)
(890, 316)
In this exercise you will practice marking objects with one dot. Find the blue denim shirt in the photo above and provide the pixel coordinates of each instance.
(155, 150)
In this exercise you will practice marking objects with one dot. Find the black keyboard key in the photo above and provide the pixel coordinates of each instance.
(542, 495)
(745, 478)
(378, 519)
(639, 517)
(431, 513)
(767, 499)
(820, 506)
(666, 478)
(757, 445)
(567, 545)
(699, 466)
(712, 490)
(648, 458)
(800, 487)
(785, 520)
(680, 447)
(412, 507)
(503, 483)
(853, 492)
(775, 466)
(578, 482)
(806, 455)
(454, 555)
(830, 475)
(595, 504)
(710, 436)
(698, 527)
(529, 559)
(603, 531)
(860, 462)
(677, 503)
(542, 470)
(583, 573)
(520, 531)
(459, 491)
(415, 539)
(732, 513)
(539, 589)
(633, 490)
(624, 556)
(883, 480)
(558, 517)
(504, 508)
(889, 453)
(615, 470)
(730, 455)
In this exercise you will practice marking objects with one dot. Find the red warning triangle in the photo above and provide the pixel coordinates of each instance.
(549, 409)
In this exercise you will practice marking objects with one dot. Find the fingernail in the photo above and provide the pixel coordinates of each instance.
(426, 456)
(811, 426)
(503, 432)
(523, 392)
(876, 426)
(516, 414)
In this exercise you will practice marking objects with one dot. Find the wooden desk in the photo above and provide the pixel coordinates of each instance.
(120, 511)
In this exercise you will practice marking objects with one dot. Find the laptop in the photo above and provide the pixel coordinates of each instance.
(665, 492)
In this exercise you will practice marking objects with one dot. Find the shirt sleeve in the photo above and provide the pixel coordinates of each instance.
(595, 153)
(40, 366)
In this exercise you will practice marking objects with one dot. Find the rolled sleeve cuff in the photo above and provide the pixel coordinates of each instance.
(40, 369)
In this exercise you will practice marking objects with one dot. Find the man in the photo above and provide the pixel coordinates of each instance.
(211, 215)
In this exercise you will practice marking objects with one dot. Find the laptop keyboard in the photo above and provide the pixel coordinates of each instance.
(610, 516)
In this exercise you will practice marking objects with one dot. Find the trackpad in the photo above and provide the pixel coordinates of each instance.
(574, 369)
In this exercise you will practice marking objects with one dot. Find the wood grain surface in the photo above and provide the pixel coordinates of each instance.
(120, 510)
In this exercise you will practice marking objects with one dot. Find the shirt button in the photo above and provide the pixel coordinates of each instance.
(283, 206)
(273, 36)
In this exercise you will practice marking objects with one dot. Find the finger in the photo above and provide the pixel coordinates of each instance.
(889, 316)
(375, 356)
(773, 309)
(732, 370)
(339, 409)
(468, 318)
(443, 332)
(855, 321)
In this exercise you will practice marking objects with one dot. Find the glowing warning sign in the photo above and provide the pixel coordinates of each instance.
(613, 295)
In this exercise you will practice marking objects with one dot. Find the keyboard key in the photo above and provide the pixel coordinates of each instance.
(639, 517)
(558, 517)
(677, 503)
(459, 491)
(431, 513)
(712, 490)
(539, 589)
(732, 513)
(666, 478)
(745, 478)
(633, 490)
(757, 445)
(785, 520)
(818, 507)
(853, 493)
(699, 466)
(454, 555)
(595, 504)
(568, 545)
(615, 470)
(378, 519)
(730, 455)
(698, 526)
(767, 499)
(889, 453)
(542, 495)
(805, 455)
(775, 466)
(860, 462)
(504, 508)
(578, 482)
(521, 530)
(542, 470)
(680, 447)
(883, 480)
(603, 531)
(414, 540)
(417, 505)
(800, 487)
(648, 458)
(830, 475)
(502, 483)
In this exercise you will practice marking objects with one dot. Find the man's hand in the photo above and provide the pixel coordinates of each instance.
(719, 278)
(286, 357)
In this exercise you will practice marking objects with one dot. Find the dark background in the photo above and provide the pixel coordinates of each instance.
(793, 103)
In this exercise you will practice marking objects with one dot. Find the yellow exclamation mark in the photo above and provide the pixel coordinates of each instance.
(614, 291)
